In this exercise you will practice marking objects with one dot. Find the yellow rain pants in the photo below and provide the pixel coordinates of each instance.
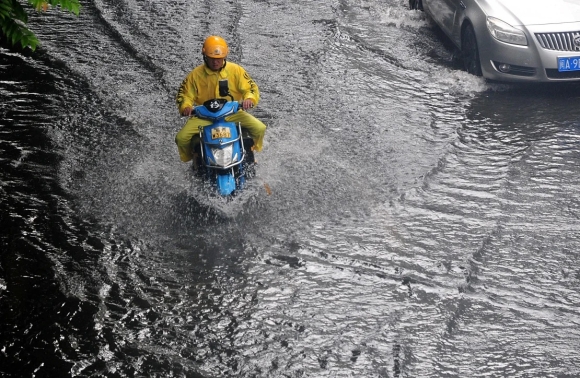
(190, 131)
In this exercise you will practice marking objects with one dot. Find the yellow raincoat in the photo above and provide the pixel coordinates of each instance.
(201, 85)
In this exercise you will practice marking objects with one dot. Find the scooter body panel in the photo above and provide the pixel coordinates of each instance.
(222, 148)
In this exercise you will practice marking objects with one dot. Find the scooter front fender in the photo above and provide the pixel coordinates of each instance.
(226, 183)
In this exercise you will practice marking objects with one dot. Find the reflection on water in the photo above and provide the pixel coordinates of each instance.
(422, 222)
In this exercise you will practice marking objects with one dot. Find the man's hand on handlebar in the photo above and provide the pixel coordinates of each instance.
(247, 104)
(186, 111)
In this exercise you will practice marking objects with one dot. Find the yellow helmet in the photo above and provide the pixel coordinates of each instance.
(215, 47)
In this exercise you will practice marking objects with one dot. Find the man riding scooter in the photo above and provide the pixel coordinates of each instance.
(203, 83)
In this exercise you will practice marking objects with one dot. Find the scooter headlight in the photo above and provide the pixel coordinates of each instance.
(223, 156)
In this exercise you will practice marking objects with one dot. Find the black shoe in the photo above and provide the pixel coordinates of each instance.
(248, 144)
(250, 159)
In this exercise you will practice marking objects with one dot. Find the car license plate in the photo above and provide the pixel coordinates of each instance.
(220, 132)
(569, 64)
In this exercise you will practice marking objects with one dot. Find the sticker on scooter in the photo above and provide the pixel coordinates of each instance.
(220, 132)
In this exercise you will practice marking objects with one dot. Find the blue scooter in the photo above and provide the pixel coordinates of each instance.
(225, 156)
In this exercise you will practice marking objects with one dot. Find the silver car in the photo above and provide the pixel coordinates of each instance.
(512, 40)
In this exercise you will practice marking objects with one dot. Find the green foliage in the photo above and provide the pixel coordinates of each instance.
(13, 19)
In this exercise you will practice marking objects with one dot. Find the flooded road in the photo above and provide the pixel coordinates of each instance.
(422, 222)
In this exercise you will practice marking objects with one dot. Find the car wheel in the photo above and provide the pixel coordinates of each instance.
(416, 4)
(470, 52)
